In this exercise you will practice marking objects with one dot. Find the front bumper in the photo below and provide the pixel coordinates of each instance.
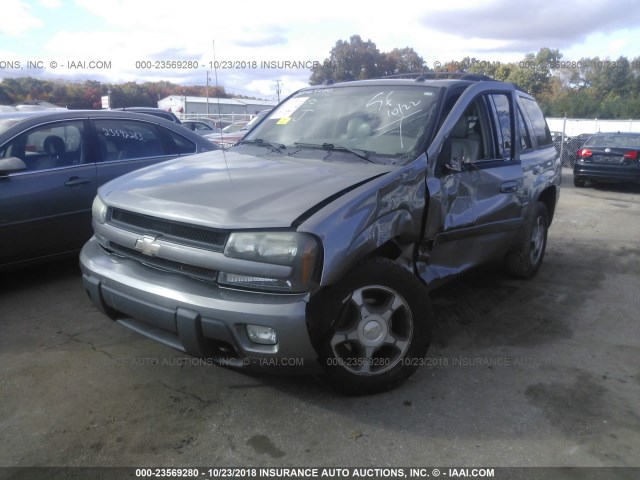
(198, 318)
(602, 172)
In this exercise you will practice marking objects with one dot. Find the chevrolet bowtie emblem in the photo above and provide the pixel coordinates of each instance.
(147, 245)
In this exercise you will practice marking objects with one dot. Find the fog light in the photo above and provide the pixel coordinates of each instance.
(262, 335)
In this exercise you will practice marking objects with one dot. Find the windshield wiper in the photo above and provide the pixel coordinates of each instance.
(264, 143)
(363, 154)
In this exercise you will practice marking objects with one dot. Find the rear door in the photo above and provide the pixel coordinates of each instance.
(46, 208)
(479, 188)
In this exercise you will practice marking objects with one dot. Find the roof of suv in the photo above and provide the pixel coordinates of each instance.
(455, 79)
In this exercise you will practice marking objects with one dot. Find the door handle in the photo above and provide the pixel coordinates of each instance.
(509, 187)
(73, 181)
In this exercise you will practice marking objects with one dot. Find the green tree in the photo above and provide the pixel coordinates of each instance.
(534, 72)
(402, 60)
(351, 60)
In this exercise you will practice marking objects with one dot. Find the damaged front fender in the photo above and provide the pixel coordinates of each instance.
(391, 207)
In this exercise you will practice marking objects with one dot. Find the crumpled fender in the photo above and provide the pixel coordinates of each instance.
(389, 207)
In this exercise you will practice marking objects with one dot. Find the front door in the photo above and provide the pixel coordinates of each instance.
(45, 209)
(477, 192)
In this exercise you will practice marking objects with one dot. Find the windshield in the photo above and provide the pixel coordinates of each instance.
(379, 120)
(613, 140)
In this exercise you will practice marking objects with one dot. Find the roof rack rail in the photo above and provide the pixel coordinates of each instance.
(422, 76)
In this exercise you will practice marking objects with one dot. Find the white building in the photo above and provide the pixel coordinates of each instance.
(185, 105)
(576, 126)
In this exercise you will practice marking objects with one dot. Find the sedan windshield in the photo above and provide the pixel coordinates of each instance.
(391, 121)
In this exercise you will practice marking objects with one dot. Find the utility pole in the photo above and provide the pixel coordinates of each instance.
(278, 89)
(207, 93)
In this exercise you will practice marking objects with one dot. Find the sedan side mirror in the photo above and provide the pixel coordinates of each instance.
(10, 165)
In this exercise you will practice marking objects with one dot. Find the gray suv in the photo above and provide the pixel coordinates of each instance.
(313, 243)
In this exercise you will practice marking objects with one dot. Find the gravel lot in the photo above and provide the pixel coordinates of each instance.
(543, 372)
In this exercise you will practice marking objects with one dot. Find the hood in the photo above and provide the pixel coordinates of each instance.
(239, 191)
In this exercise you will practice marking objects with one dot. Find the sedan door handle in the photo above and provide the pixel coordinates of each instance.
(509, 187)
(73, 181)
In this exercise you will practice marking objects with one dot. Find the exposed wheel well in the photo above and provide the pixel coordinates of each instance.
(389, 250)
(548, 197)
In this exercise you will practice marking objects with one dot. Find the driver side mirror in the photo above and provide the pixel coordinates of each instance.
(10, 165)
(450, 161)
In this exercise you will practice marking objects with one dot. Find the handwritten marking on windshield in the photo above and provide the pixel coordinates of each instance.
(395, 111)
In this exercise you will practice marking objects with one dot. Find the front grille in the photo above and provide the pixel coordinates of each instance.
(199, 273)
(172, 231)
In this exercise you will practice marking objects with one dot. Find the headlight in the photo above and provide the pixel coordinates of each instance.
(268, 247)
(99, 210)
(296, 250)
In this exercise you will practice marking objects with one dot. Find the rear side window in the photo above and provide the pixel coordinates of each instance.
(128, 139)
(540, 127)
(177, 144)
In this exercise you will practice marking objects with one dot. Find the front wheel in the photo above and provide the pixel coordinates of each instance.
(525, 260)
(380, 327)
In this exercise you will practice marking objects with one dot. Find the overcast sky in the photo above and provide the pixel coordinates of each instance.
(62, 33)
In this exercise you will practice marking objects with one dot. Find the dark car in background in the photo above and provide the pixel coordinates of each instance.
(201, 127)
(51, 164)
(608, 157)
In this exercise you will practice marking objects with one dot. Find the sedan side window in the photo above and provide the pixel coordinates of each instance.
(54, 145)
(127, 139)
(177, 144)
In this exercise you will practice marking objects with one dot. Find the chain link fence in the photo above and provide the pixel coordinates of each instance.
(567, 147)
(216, 120)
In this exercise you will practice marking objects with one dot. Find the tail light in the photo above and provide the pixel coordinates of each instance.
(584, 152)
(632, 155)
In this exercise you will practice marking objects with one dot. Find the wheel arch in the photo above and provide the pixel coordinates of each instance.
(549, 197)
(331, 311)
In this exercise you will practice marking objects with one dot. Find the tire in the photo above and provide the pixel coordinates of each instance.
(378, 322)
(579, 182)
(525, 259)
